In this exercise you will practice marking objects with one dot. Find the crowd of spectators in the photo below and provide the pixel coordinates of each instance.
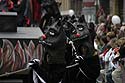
(110, 44)
(109, 40)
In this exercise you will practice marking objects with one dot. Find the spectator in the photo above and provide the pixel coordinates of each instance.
(116, 29)
(110, 35)
(101, 29)
(109, 22)
(119, 67)
(122, 31)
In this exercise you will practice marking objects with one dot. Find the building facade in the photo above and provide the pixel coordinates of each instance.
(65, 5)
(114, 7)
(117, 7)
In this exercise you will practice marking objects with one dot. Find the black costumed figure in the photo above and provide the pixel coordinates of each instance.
(53, 40)
(84, 65)
(69, 55)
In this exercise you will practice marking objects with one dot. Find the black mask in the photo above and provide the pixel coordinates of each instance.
(55, 42)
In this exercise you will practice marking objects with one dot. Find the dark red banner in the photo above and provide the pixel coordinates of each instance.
(88, 4)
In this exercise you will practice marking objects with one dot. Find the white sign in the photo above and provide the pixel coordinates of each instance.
(88, 1)
(89, 10)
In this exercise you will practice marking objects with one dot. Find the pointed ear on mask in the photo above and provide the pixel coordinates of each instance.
(59, 4)
(82, 19)
(59, 22)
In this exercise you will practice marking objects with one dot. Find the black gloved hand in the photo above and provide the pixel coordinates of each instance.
(79, 59)
(34, 63)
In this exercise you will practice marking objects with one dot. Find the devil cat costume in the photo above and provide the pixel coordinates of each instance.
(88, 68)
(69, 55)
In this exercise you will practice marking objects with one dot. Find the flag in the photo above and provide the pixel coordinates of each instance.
(100, 11)
(26, 52)
(31, 47)
(7, 56)
(39, 52)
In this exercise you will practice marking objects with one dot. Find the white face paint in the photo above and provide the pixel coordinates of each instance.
(52, 33)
